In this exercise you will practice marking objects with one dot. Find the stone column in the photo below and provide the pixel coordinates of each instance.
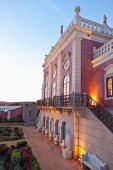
(76, 64)
(9, 114)
(59, 76)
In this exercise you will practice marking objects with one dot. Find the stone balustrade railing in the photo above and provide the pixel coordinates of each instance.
(94, 26)
(88, 24)
(103, 49)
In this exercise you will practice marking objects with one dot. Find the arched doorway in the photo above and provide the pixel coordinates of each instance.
(51, 125)
(47, 123)
(63, 130)
(57, 127)
(38, 118)
(44, 121)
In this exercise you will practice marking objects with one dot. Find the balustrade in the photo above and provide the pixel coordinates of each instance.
(103, 49)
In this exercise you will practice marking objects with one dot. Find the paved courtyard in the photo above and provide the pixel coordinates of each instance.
(46, 152)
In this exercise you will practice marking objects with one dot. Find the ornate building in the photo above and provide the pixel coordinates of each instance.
(77, 91)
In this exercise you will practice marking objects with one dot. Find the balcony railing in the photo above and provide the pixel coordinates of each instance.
(77, 100)
(72, 100)
(104, 49)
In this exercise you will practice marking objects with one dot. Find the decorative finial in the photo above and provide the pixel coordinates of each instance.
(61, 29)
(46, 55)
(77, 10)
(105, 20)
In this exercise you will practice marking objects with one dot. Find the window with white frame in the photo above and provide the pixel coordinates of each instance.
(53, 89)
(66, 85)
(46, 91)
(109, 85)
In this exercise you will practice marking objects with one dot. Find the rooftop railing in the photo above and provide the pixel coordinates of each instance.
(104, 49)
(94, 26)
(88, 24)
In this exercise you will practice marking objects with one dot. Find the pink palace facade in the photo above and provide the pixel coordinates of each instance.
(77, 90)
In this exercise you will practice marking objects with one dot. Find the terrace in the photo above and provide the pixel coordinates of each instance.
(78, 101)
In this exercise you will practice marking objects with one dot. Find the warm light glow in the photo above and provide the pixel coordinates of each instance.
(81, 152)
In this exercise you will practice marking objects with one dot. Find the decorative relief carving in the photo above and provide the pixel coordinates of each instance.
(66, 65)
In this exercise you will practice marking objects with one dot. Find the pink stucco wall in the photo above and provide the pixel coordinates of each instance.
(17, 113)
(99, 79)
(3, 115)
(88, 84)
(92, 79)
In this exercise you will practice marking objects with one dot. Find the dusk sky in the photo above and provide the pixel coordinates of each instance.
(28, 29)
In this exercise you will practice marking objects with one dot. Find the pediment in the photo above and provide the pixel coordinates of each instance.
(109, 69)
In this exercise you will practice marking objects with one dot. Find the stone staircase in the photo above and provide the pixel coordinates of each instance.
(104, 115)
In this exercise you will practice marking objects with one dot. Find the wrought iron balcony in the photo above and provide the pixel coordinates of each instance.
(72, 100)
(76, 100)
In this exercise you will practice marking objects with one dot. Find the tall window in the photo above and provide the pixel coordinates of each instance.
(46, 92)
(66, 85)
(53, 89)
(109, 86)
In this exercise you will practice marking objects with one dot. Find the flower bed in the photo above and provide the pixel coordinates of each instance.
(12, 120)
(18, 157)
(11, 133)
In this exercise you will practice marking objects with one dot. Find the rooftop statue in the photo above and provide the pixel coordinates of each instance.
(61, 29)
(77, 10)
(105, 20)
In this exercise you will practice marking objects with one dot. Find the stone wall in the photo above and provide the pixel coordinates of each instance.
(95, 138)
(66, 116)
(29, 113)
(16, 113)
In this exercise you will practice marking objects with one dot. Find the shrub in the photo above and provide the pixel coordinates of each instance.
(15, 158)
(28, 148)
(21, 144)
(3, 149)
(26, 156)
(8, 133)
(12, 147)
(4, 138)
(35, 164)
(6, 166)
(12, 120)
(2, 130)
(17, 167)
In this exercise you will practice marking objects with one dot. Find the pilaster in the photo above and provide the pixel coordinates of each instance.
(59, 75)
(76, 63)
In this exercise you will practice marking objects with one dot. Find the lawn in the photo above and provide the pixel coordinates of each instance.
(11, 133)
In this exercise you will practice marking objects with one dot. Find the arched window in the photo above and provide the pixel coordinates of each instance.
(53, 89)
(63, 130)
(46, 90)
(66, 85)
